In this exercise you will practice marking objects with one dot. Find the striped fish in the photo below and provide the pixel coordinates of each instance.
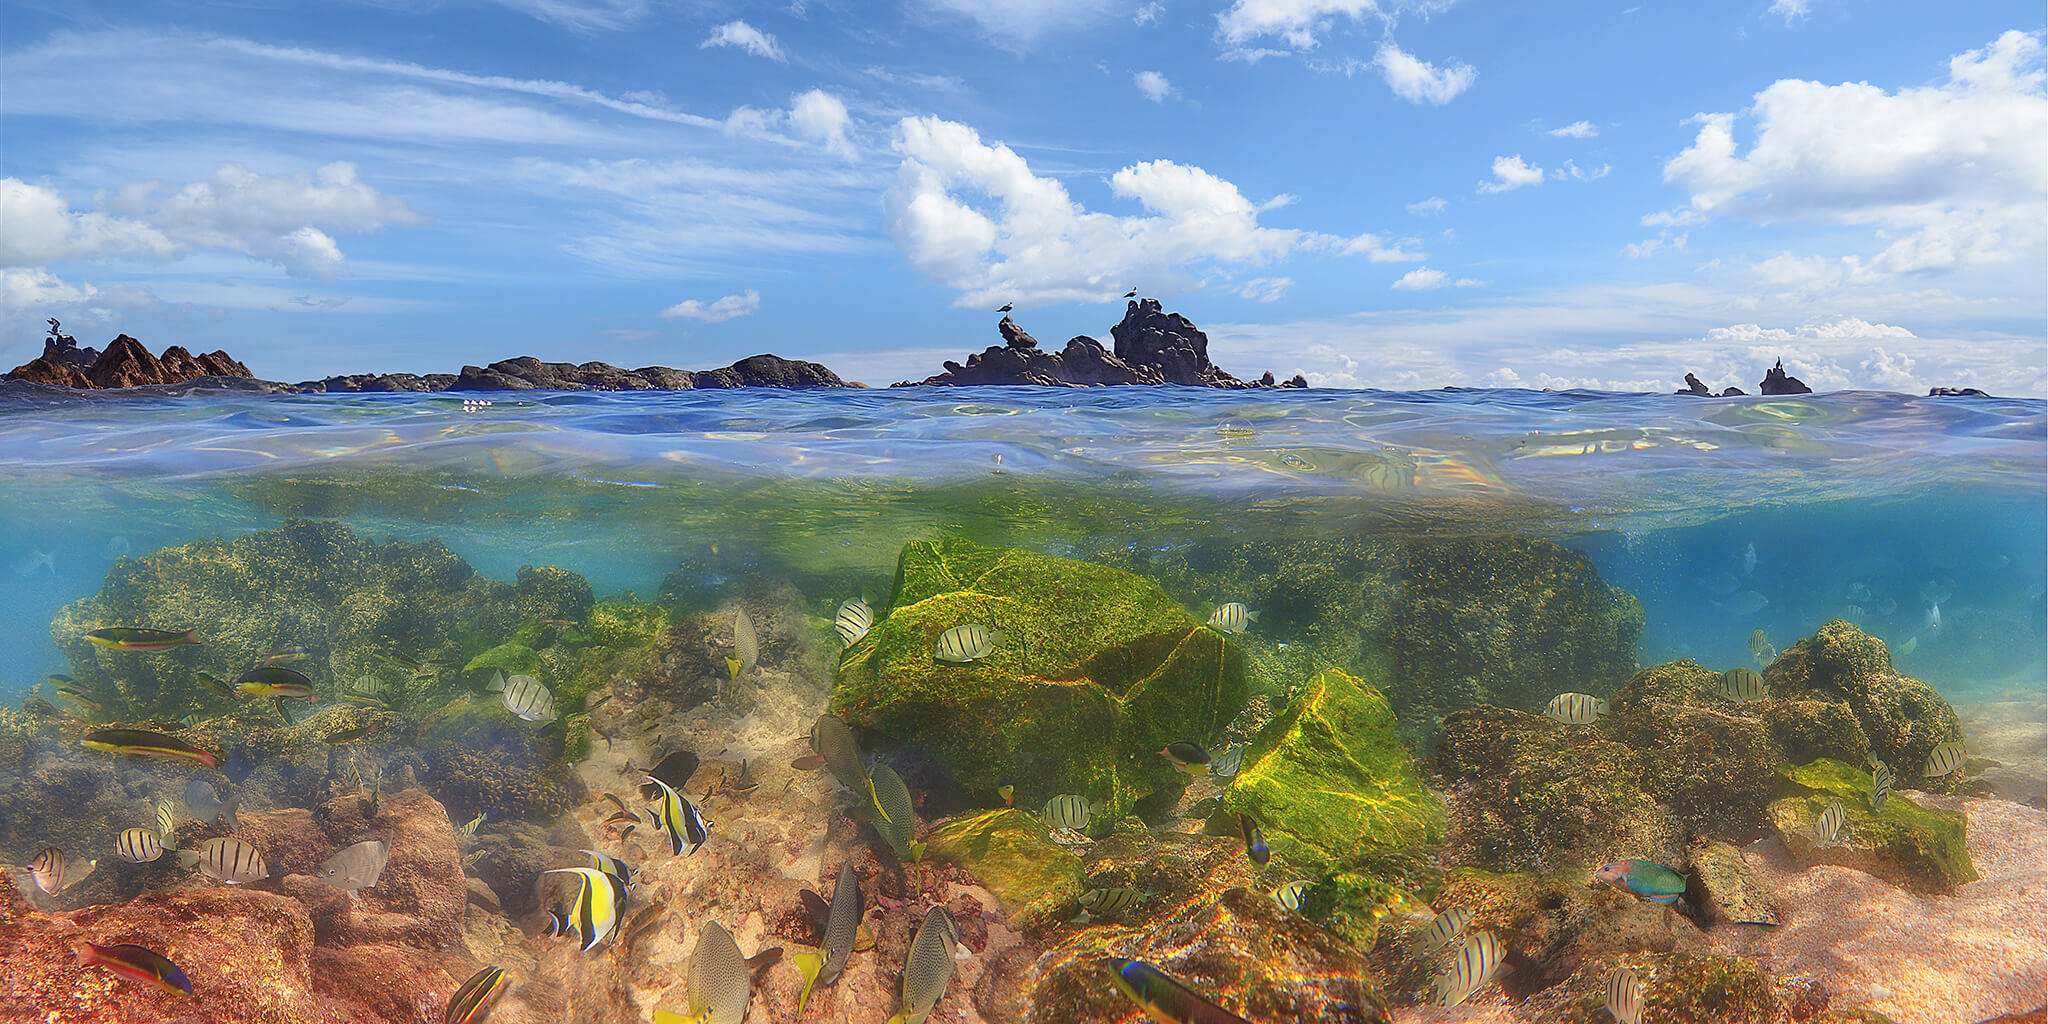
(226, 859)
(746, 646)
(854, 620)
(1069, 811)
(1880, 784)
(679, 819)
(1110, 902)
(1232, 618)
(471, 1003)
(1741, 685)
(594, 914)
(1944, 758)
(1625, 995)
(1225, 763)
(964, 643)
(1289, 895)
(54, 871)
(1827, 829)
(1473, 967)
(525, 696)
(1576, 708)
(167, 822)
(467, 833)
(368, 686)
(612, 866)
(139, 845)
(1444, 929)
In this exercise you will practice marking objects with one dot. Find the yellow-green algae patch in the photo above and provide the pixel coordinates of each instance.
(1012, 853)
(1919, 847)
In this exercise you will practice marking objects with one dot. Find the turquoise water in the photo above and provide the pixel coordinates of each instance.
(1739, 527)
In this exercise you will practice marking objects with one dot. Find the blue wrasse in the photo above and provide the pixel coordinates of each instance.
(1254, 840)
(1165, 999)
(472, 1002)
(137, 963)
(1651, 881)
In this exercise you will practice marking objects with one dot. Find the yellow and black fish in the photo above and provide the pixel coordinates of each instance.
(678, 819)
(594, 913)
(471, 1003)
(144, 742)
(275, 681)
(136, 638)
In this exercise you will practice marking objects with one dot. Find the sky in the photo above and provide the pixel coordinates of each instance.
(1373, 193)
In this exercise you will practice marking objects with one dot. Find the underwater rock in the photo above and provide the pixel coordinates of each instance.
(1710, 761)
(418, 899)
(1918, 847)
(1095, 670)
(1329, 784)
(1690, 988)
(1012, 853)
(552, 592)
(1901, 718)
(1730, 892)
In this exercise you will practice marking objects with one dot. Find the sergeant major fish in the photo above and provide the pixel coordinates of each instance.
(854, 620)
(524, 696)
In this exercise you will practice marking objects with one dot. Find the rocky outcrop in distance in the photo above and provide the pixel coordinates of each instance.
(1151, 346)
(526, 373)
(125, 364)
(1776, 382)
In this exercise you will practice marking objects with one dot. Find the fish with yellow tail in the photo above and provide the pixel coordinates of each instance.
(929, 968)
(594, 913)
(471, 1003)
(746, 646)
(1163, 997)
(718, 982)
(841, 924)
(141, 640)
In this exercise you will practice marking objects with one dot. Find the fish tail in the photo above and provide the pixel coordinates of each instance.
(190, 636)
(916, 852)
(807, 964)
(1254, 616)
(732, 667)
(187, 859)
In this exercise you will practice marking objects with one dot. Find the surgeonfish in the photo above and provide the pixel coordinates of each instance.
(1943, 759)
(678, 818)
(135, 638)
(471, 1003)
(55, 871)
(275, 681)
(1741, 685)
(1069, 811)
(1880, 784)
(1254, 840)
(1187, 758)
(1443, 929)
(594, 913)
(1164, 998)
(368, 686)
(1471, 969)
(136, 963)
(929, 967)
(167, 822)
(1224, 763)
(720, 986)
(964, 643)
(1232, 618)
(841, 923)
(896, 815)
(356, 867)
(226, 859)
(1647, 879)
(1827, 828)
(146, 743)
(1625, 995)
(1110, 902)
(1576, 709)
(139, 845)
(833, 739)
(204, 805)
(1760, 648)
(1289, 895)
(853, 622)
(524, 696)
(746, 646)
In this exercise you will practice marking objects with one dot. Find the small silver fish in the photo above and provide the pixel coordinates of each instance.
(854, 620)
(1289, 895)
(1741, 685)
(964, 643)
(526, 697)
(54, 871)
(1232, 618)
(1827, 829)
(227, 859)
(1110, 902)
(139, 845)
(1625, 995)
(1069, 811)
(1944, 758)
(1470, 970)
(1576, 708)
(357, 867)
(1444, 929)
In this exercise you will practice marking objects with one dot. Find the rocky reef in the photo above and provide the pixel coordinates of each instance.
(1776, 382)
(1151, 346)
(125, 364)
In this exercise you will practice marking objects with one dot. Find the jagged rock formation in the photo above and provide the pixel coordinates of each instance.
(1151, 347)
(1698, 389)
(1777, 382)
(125, 363)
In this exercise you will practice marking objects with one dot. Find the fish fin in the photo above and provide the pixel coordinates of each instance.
(1253, 616)
(807, 964)
(187, 859)
(899, 1019)
(733, 666)
(916, 852)
(496, 684)
(875, 799)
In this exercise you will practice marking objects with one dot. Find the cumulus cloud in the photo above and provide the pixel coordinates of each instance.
(1295, 23)
(281, 219)
(1949, 174)
(1651, 246)
(1428, 207)
(974, 217)
(717, 311)
(1512, 172)
(740, 35)
(1574, 172)
(1155, 86)
(821, 117)
(1423, 279)
(1419, 81)
(1148, 14)
(1576, 130)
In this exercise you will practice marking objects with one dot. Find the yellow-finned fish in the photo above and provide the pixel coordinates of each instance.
(144, 742)
(964, 643)
(1576, 708)
(842, 923)
(929, 967)
(853, 622)
(55, 871)
(897, 816)
(746, 646)
(594, 913)
(467, 832)
(1625, 995)
(1471, 969)
(471, 1003)
(1944, 758)
(720, 986)
(1232, 618)
(678, 819)
(139, 845)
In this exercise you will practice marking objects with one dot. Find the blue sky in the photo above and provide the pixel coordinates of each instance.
(1378, 194)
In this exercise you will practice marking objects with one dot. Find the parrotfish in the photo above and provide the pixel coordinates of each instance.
(135, 638)
(1651, 881)
(144, 742)
(1165, 998)
(136, 963)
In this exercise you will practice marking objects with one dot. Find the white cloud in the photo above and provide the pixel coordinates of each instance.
(1950, 175)
(1149, 14)
(1651, 246)
(1419, 81)
(1019, 23)
(1266, 289)
(974, 217)
(740, 35)
(1296, 23)
(585, 15)
(1512, 172)
(1428, 207)
(1791, 10)
(1155, 86)
(821, 117)
(1576, 130)
(1423, 279)
(1574, 172)
(718, 311)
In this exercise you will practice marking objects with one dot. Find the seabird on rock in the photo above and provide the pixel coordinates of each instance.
(1131, 294)
(1007, 306)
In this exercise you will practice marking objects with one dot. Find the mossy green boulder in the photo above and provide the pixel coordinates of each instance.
(1094, 671)
(1897, 718)
(1012, 853)
(1918, 847)
(1328, 782)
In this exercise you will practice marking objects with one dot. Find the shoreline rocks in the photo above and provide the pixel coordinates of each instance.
(125, 364)
(1151, 346)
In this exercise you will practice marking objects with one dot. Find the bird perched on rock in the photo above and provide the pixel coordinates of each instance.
(1007, 306)
(1133, 293)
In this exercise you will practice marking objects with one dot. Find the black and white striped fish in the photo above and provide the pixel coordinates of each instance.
(1444, 929)
(854, 620)
(167, 822)
(1944, 758)
(1232, 618)
(1880, 784)
(1068, 811)
(54, 871)
(1289, 895)
(467, 833)
(1576, 708)
(1741, 685)
(964, 643)
(1827, 829)
(139, 845)
(1470, 970)
(525, 696)
(1110, 902)
(1625, 995)
(1224, 763)
(227, 859)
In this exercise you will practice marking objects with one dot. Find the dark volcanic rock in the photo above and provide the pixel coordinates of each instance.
(1152, 347)
(125, 364)
(1956, 393)
(529, 374)
(1777, 382)
(1693, 386)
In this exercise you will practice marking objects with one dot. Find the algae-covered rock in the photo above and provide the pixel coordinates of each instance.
(1730, 892)
(552, 592)
(1013, 854)
(1918, 847)
(1691, 988)
(1094, 671)
(1330, 785)
(1708, 759)
(1901, 718)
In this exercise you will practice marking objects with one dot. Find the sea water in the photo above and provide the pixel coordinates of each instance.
(1921, 521)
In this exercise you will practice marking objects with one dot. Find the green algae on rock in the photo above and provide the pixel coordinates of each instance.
(1329, 783)
(1012, 852)
(1901, 718)
(1692, 988)
(1918, 847)
(1097, 670)
(1711, 761)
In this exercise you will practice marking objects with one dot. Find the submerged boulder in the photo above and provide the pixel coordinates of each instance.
(1012, 853)
(1093, 671)
(1918, 847)
(1900, 719)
